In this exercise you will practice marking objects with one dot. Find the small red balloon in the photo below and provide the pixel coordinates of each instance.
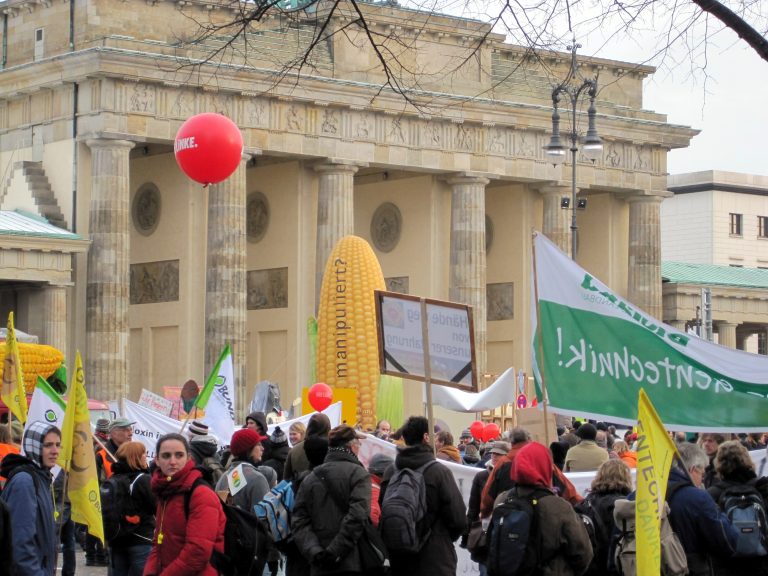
(491, 432)
(476, 429)
(320, 396)
(208, 148)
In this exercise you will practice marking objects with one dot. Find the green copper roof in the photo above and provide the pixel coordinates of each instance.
(713, 275)
(20, 223)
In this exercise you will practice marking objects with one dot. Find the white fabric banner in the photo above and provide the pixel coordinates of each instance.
(46, 406)
(502, 391)
(333, 412)
(150, 425)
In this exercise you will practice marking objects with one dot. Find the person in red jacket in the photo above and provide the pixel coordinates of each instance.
(184, 540)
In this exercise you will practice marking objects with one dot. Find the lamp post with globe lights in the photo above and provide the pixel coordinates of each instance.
(591, 145)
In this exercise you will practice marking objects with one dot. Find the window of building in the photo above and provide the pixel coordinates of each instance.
(39, 43)
(762, 226)
(736, 220)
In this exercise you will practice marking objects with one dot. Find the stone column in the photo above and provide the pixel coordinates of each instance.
(225, 289)
(741, 340)
(644, 286)
(55, 320)
(335, 212)
(106, 314)
(557, 221)
(726, 332)
(677, 324)
(468, 266)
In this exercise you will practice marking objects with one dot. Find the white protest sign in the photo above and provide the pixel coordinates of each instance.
(150, 425)
(236, 479)
(449, 330)
(155, 402)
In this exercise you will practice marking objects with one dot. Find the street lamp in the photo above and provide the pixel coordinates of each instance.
(591, 145)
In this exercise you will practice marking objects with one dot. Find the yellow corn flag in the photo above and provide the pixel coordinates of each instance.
(655, 452)
(78, 458)
(13, 393)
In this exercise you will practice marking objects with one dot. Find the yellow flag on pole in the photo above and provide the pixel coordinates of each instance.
(13, 393)
(78, 458)
(655, 452)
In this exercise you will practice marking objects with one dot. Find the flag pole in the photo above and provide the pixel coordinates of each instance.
(540, 341)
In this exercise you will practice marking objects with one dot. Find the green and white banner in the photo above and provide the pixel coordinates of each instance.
(595, 351)
(46, 405)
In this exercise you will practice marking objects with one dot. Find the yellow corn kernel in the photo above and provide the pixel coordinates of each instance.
(36, 360)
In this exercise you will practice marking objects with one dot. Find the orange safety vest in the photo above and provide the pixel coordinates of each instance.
(6, 449)
(106, 462)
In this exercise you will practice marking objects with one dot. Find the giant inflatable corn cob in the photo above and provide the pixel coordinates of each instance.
(36, 360)
(347, 351)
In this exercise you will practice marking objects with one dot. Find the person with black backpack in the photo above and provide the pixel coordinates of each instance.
(612, 482)
(741, 496)
(128, 510)
(532, 531)
(188, 531)
(422, 510)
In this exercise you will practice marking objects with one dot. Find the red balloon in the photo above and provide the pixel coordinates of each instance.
(320, 396)
(208, 148)
(476, 429)
(491, 432)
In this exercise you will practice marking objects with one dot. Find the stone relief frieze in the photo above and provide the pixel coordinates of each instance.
(222, 104)
(267, 288)
(295, 118)
(525, 144)
(386, 225)
(496, 140)
(465, 138)
(142, 98)
(613, 155)
(145, 209)
(153, 282)
(395, 133)
(257, 216)
(399, 284)
(642, 162)
(183, 105)
(256, 112)
(434, 134)
(501, 301)
(362, 126)
(331, 124)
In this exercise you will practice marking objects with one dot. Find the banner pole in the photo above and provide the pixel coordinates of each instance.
(427, 372)
(540, 341)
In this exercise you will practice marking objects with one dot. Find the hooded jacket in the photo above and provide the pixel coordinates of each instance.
(446, 514)
(261, 423)
(564, 546)
(28, 495)
(188, 542)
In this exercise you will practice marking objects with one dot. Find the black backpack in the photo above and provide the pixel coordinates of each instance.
(590, 512)
(512, 528)
(745, 508)
(246, 540)
(118, 509)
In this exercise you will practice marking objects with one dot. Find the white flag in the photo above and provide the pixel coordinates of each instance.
(46, 405)
(220, 409)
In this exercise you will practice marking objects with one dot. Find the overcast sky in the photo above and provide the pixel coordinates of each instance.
(731, 110)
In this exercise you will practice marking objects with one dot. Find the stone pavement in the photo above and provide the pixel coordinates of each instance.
(82, 569)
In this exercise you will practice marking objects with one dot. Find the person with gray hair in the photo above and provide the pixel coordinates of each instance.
(704, 531)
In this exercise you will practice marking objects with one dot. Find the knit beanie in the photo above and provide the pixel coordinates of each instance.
(243, 442)
(203, 439)
(261, 421)
(379, 463)
(102, 425)
(278, 437)
(197, 428)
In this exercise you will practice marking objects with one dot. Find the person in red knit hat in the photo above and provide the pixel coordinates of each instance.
(248, 450)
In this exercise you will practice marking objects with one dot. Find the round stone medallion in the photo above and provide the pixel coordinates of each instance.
(257, 216)
(386, 225)
(145, 210)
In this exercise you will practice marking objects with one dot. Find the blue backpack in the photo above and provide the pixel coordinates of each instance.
(746, 510)
(275, 510)
(512, 528)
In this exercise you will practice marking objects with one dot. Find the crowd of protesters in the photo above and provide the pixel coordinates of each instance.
(180, 527)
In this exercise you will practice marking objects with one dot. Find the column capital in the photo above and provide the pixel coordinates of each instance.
(468, 178)
(337, 166)
(109, 143)
(656, 196)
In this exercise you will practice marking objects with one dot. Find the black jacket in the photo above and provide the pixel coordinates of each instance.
(319, 524)
(446, 514)
(143, 503)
